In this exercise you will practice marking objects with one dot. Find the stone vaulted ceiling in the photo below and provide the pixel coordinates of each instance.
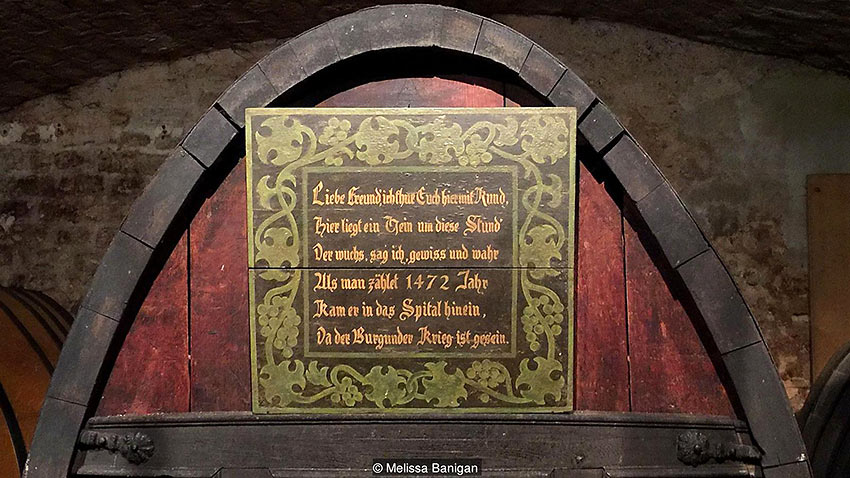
(47, 46)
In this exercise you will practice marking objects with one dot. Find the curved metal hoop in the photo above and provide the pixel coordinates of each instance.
(119, 278)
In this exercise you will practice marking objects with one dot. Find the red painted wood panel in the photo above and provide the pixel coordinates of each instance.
(635, 345)
(602, 363)
(218, 260)
(468, 92)
(671, 371)
(617, 368)
(601, 350)
(151, 374)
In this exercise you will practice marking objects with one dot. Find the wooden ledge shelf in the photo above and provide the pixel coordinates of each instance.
(571, 444)
(577, 418)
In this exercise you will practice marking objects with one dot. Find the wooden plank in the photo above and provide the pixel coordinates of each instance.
(251, 90)
(600, 127)
(502, 45)
(117, 275)
(541, 70)
(670, 369)
(602, 369)
(762, 396)
(720, 305)
(570, 90)
(459, 30)
(346, 446)
(38, 320)
(218, 258)
(54, 310)
(672, 226)
(29, 328)
(154, 211)
(466, 92)
(87, 344)
(8, 458)
(403, 26)
(24, 371)
(829, 259)
(151, 373)
(210, 136)
(632, 167)
(601, 351)
(315, 49)
(53, 445)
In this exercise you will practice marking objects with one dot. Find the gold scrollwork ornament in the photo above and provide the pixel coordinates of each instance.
(284, 141)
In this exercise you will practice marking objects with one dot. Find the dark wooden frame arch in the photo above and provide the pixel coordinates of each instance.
(144, 239)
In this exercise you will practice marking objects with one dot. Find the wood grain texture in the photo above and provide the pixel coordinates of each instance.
(251, 90)
(541, 70)
(211, 134)
(117, 276)
(156, 209)
(762, 396)
(601, 350)
(61, 421)
(502, 45)
(31, 326)
(88, 343)
(44, 323)
(600, 127)
(27, 357)
(31, 333)
(673, 228)
(53, 446)
(509, 446)
(571, 90)
(151, 373)
(829, 260)
(467, 92)
(218, 259)
(721, 308)
(602, 368)
(671, 371)
(8, 461)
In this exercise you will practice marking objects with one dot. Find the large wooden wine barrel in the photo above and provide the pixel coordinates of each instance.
(825, 418)
(33, 328)
(672, 376)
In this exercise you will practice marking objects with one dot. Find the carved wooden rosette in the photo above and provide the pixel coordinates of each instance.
(518, 165)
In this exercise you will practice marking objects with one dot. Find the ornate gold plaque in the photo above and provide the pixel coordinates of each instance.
(410, 260)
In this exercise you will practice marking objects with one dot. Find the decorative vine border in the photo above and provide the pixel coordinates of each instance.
(285, 384)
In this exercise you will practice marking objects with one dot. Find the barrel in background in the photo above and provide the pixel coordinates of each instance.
(33, 328)
(825, 418)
